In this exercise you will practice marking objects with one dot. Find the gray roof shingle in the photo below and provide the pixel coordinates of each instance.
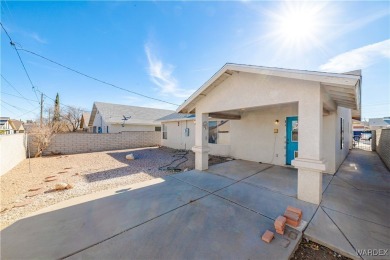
(113, 114)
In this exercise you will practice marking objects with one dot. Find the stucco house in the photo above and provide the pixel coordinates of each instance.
(379, 123)
(115, 118)
(272, 115)
(84, 120)
(17, 126)
(5, 126)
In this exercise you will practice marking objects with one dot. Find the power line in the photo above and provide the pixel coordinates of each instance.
(96, 79)
(29, 111)
(2, 92)
(9, 83)
(18, 108)
(21, 61)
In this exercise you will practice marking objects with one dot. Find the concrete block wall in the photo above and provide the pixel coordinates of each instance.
(383, 145)
(72, 143)
(12, 151)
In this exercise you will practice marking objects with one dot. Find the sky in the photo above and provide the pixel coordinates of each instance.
(167, 50)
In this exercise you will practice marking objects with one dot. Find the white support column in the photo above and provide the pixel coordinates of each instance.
(201, 148)
(309, 162)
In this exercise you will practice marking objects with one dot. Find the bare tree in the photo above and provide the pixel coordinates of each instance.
(41, 137)
(72, 117)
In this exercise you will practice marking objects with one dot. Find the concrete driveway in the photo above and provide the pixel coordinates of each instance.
(217, 214)
(220, 213)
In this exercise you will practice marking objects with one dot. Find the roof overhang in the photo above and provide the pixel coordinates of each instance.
(344, 88)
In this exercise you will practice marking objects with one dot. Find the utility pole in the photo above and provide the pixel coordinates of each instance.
(41, 109)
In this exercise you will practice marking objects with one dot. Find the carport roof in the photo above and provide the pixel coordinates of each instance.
(343, 88)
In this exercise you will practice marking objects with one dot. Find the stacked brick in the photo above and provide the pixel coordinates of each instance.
(280, 224)
(293, 216)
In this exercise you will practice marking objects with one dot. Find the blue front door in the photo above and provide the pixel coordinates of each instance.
(291, 138)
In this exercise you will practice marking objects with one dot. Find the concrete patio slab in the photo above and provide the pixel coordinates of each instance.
(210, 228)
(281, 179)
(362, 234)
(323, 230)
(204, 180)
(370, 175)
(60, 232)
(365, 205)
(238, 169)
(268, 203)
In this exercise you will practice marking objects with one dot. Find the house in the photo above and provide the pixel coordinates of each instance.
(276, 116)
(379, 123)
(84, 121)
(178, 131)
(5, 127)
(115, 118)
(17, 126)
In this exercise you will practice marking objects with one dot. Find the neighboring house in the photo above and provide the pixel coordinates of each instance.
(379, 123)
(178, 131)
(114, 118)
(17, 126)
(5, 126)
(84, 121)
(252, 113)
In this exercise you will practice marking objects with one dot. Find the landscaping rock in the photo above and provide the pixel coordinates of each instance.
(61, 186)
(130, 157)
(34, 193)
(35, 188)
(22, 204)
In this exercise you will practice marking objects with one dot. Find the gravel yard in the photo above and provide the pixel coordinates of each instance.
(87, 173)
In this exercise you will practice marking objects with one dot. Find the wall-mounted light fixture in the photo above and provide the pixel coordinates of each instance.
(276, 122)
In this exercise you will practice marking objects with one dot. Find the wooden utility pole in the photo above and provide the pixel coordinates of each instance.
(41, 110)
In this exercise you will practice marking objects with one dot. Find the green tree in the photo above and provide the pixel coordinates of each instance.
(57, 116)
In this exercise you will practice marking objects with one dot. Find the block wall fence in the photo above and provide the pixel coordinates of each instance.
(381, 144)
(72, 143)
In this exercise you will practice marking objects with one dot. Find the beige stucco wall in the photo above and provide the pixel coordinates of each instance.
(176, 138)
(12, 151)
(253, 137)
(117, 128)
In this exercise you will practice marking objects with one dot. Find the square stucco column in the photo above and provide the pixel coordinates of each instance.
(309, 163)
(201, 148)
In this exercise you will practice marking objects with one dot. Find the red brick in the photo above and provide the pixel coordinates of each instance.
(296, 210)
(267, 236)
(291, 215)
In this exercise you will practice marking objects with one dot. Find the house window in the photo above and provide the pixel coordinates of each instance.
(157, 129)
(341, 133)
(219, 132)
(165, 132)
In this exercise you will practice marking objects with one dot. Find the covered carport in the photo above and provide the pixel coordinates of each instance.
(320, 101)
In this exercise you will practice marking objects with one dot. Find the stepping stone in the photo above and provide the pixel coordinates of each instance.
(34, 193)
(22, 204)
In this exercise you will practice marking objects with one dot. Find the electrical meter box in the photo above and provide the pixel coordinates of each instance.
(187, 132)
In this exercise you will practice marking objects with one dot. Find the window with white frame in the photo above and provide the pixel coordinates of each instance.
(164, 131)
(219, 132)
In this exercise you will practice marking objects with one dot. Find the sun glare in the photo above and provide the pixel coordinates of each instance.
(298, 25)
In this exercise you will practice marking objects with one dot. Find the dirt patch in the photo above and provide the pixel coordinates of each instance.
(309, 250)
(87, 173)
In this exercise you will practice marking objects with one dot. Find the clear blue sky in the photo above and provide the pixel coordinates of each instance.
(169, 49)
